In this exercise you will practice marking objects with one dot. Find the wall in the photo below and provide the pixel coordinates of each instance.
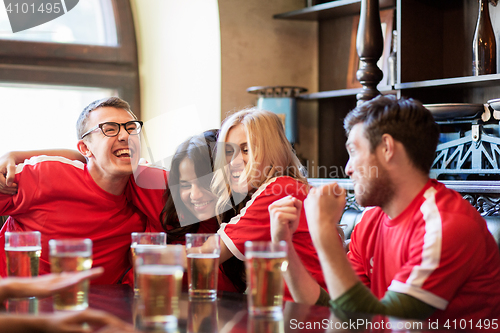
(179, 66)
(258, 50)
(185, 64)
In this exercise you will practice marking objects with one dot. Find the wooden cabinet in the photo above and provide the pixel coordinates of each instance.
(434, 62)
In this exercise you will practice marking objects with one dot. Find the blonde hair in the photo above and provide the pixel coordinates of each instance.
(270, 154)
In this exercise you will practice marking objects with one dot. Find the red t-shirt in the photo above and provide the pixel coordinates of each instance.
(146, 191)
(59, 198)
(437, 250)
(253, 223)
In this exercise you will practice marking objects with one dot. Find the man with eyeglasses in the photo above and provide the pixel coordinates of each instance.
(62, 198)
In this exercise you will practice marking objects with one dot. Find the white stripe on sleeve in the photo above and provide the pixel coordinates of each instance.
(431, 255)
(225, 238)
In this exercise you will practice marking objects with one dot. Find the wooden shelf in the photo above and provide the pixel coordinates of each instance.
(459, 82)
(342, 93)
(466, 82)
(329, 10)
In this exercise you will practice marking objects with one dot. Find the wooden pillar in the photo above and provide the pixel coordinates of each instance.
(370, 45)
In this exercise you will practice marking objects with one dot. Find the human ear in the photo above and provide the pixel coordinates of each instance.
(84, 149)
(387, 146)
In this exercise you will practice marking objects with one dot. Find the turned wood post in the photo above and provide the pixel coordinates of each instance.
(370, 45)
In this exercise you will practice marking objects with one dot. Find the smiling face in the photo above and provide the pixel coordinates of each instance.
(372, 184)
(197, 199)
(110, 157)
(237, 157)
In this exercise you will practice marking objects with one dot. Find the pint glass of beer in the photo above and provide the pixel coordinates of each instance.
(22, 251)
(143, 240)
(71, 255)
(265, 263)
(203, 252)
(159, 277)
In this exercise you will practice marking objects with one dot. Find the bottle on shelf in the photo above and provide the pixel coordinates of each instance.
(484, 49)
(392, 64)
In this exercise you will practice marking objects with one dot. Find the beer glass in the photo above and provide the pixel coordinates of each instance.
(22, 305)
(145, 239)
(265, 263)
(22, 251)
(71, 255)
(159, 277)
(203, 252)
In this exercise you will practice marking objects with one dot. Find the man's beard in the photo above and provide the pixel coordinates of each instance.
(378, 190)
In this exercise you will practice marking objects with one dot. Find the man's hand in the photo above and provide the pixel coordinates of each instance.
(324, 207)
(285, 217)
(44, 285)
(7, 173)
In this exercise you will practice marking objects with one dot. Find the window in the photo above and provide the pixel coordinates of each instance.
(59, 67)
(44, 115)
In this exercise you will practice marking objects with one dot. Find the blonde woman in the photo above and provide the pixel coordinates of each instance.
(258, 161)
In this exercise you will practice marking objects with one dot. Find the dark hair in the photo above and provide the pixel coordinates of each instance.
(406, 120)
(114, 102)
(195, 148)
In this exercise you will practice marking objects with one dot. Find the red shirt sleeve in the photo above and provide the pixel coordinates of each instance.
(145, 191)
(253, 222)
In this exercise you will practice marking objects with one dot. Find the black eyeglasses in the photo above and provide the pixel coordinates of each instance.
(112, 129)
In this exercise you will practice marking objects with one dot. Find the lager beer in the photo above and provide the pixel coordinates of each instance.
(160, 287)
(23, 261)
(133, 248)
(203, 252)
(74, 298)
(266, 281)
(265, 263)
(142, 240)
(202, 274)
(22, 252)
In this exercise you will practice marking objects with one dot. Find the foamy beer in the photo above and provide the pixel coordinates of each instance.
(143, 240)
(22, 251)
(265, 263)
(159, 277)
(71, 255)
(203, 252)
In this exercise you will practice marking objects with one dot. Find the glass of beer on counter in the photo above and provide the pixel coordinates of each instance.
(159, 277)
(265, 263)
(145, 240)
(203, 252)
(71, 255)
(22, 251)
